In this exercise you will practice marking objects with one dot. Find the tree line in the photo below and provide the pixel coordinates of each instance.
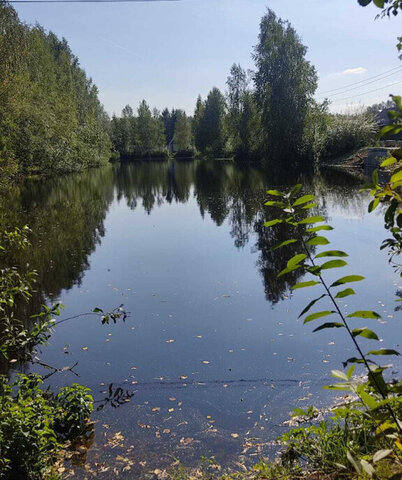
(51, 118)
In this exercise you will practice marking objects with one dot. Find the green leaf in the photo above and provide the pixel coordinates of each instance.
(315, 219)
(283, 244)
(350, 371)
(383, 351)
(272, 222)
(309, 206)
(347, 279)
(319, 228)
(329, 325)
(339, 374)
(365, 332)
(275, 204)
(316, 315)
(396, 177)
(388, 161)
(345, 293)
(374, 177)
(303, 199)
(332, 253)
(295, 190)
(311, 283)
(364, 314)
(288, 270)
(96, 310)
(368, 400)
(296, 259)
(380, 454)
(354, 462)
(313, 302)
(318, 241)
(373, 204)
(333, 264)
(275, 193)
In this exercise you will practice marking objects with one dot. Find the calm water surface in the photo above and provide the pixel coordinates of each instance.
(212, 351)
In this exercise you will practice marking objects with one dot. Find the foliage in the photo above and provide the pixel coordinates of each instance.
(183, 139)
(50, 115)
(284, 85)
(346, 133)
(210, 130)
(390, 194)
(34, 424)
(379, 403)
(139, 136)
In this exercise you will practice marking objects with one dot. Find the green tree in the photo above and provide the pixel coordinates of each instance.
(285, 83)
(182, 134)
(198, 115)
(211, 128)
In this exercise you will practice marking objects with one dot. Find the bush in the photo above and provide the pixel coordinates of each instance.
(34, 424)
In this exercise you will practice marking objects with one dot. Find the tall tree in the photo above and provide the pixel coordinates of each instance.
(182, 134)
(198, 114)
(285, 83)
(211, 128)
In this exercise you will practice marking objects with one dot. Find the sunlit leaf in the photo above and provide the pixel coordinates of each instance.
(319, 228)
(316, 315)
(347, 279)
(373, 204)
(332, 253)
(303, 199)
(364, 314)
(354, 462)
(329, 325)
(296, 260)
(396, 177)
(318, 241)
(295, 190)
(345, 293)
(380, 454)
(313, 302)
(310, 206)
(368, 400)
(339, 374)
(365, 332)
(367, 467)
(272, 203)
(333, 264)
(383, 351)
(315, 219)
(275, 193)
(283, 244)
(311, 283)
(388, 161)
(288, 270)
(272, 222)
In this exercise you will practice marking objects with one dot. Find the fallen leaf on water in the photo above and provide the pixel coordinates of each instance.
(170, 341)
(85, 348)
(156, 409)
(186, 441)
(171, 410)
(143, 425)
(234, 435)
(183, 377)
(172, 399)
(199, 336)
(206, 362)
(166, 430)
(133, 368)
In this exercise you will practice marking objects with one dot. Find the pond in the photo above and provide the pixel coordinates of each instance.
(212, 357)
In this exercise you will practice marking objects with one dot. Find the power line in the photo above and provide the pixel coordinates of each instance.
(370, 91)
(368, 83)
(361, 81)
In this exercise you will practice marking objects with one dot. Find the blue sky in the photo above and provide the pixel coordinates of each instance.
(169, 52)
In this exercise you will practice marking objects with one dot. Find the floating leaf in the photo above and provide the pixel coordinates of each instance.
(364, 314)
(313, 302)
(332, 253)
(283, 244)
(311, 283)
(234, 435)
(329, 325)
(272, 222)
(303, 199)
(318, 241)
(315, 219)
(316, 315)
(365, 332)
(333, 264)
(296, 260)
(345, 293)
(319, 228)
(347, 279)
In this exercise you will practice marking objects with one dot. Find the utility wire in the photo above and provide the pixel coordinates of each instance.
(370, 91)
(361, 81)
(359, 86)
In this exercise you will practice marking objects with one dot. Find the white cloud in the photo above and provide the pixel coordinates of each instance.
(354, 71)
